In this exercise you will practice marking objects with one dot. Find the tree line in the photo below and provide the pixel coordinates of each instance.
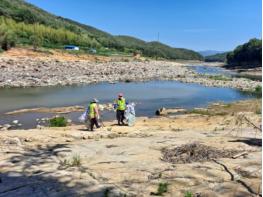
(28, 24)
(12, 32)
(246, 55)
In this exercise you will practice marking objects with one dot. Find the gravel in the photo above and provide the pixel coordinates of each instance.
(28, 72)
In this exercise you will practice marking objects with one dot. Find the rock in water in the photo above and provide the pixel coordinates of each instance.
(15, 121)
(39, 126)
(7, 126)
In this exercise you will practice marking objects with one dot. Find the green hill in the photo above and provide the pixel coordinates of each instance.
(130, 42)
(157, 49)
(248, 55)
(219, 57)
(23, 23)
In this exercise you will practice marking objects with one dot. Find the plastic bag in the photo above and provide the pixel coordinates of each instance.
(83, 117)
(130, 119)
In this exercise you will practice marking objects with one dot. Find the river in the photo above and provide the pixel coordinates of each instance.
(149, 96)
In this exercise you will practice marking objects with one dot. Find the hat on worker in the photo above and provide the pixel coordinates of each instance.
(95, 100)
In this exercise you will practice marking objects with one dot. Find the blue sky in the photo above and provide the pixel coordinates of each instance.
(194, 24)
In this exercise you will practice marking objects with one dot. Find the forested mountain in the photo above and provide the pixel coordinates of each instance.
(23, 23)
(157, 49)
(219, 57)
(209, 52)
(247, 55)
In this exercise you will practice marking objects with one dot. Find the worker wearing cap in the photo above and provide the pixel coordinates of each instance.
(121, 107)
(93, 114)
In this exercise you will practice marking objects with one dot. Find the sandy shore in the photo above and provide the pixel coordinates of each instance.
(118, 161)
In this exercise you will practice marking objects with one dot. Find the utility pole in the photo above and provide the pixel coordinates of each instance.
(158, 37)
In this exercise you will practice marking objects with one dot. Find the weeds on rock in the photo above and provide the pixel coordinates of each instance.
(58, 122)
(206, 112)
(258, 111)
(227, 105)
(255, 92)
(219, 78)
(74, 162)
(65, 162)
(106, 192)
(162, 188)
(258, 91)
(188, 194)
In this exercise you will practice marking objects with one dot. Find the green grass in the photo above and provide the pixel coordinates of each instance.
(188, 194)
(257, 92)
(227, 105)
(219, 78)
(201, 112)
(206, 112)
(75, 161)
(162, 188)
(65, 162)
(258, 111)
(58, 122)
(106, 192)
(112, 52)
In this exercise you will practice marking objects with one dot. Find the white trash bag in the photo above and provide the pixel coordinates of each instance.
(83, 117)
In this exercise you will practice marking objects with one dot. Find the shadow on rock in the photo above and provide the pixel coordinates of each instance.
(39, 175)
(250, 141)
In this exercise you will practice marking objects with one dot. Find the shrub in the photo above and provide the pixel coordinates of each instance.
(7, 38)
(58, 122)
(76, 161)
(246, 55)
(258, 111)
(258, 91)
(162, 188)
(219, 78)
(188, 194)
(36, 41)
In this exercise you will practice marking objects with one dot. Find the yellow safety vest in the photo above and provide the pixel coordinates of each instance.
(121, 104)
(92, 111)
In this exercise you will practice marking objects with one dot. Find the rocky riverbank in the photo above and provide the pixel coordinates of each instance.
(142, 160)
(33, 72)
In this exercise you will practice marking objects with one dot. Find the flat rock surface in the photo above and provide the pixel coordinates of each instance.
(118, 161)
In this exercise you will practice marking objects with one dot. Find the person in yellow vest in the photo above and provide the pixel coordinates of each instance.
(93, 114)
(121, 107)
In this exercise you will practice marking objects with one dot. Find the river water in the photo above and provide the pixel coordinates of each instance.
(149, 96)
(216, 70)
(212, 70)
